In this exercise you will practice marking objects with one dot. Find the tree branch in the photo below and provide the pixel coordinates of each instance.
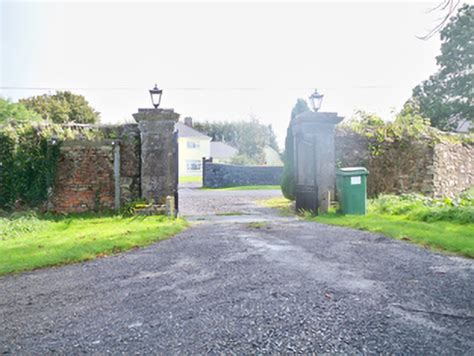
(452, 4)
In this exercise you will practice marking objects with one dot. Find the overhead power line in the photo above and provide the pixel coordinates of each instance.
(195, 88)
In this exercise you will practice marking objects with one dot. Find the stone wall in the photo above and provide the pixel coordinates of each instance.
(84, 178)
(441, 169)
(105, 174)
(217, 175)
(454, 168)
(128, 136)
(159, 154)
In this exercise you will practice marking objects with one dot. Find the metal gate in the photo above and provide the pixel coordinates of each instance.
(176, 170)
(306, 192)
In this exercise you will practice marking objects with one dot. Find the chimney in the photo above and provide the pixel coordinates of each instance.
(188, 121)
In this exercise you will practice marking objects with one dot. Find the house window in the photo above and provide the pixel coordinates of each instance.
(193, 144)
(193, 165)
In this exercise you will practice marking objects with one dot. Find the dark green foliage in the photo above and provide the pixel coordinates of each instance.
(28, 161)
(300, 107)
(288, 177)
(29, 147)
(447, 96)
(7, 180)
(62, 107)
(249, 137)
(15, 112)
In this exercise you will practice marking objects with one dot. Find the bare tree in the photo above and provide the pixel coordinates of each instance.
(447, 8)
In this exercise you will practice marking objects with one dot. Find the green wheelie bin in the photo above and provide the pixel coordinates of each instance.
(351, 186)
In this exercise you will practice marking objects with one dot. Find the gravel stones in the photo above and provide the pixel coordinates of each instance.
(224, 287)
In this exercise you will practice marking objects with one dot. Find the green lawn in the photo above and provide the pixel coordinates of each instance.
(30, 242)
(439, 235)
(247, 187)
(185, 179)
(451, 236)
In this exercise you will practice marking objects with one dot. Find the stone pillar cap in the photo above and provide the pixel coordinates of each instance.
(316, 118)
(156, 115)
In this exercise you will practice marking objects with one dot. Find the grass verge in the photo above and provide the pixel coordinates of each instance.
(31, 242)
(190, 179)
(280, 204)
(451, 236)
(247, 187)
(439, 235)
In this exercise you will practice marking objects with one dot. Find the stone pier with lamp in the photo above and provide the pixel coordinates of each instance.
(158, 154)
(315, 163)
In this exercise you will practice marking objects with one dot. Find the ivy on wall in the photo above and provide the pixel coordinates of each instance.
(408, 127)
(398, 154)
(28, 157)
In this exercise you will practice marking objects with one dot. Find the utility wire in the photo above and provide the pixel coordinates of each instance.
(194, 89)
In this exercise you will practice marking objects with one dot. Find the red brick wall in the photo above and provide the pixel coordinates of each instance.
(84, 178)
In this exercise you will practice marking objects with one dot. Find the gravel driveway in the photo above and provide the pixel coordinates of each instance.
(252, 282)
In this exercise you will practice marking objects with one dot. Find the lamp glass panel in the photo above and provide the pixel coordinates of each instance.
(155, 98)
(316, 101)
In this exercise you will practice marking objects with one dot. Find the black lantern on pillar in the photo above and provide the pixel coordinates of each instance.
(316, 99)
(155, 94)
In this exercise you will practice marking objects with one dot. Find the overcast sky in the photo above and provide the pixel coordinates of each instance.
(219, 61)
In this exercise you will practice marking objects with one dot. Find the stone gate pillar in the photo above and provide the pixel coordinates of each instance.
(159, 167)
(315, 162)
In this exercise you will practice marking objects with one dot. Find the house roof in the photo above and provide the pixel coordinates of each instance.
(186, 131)
(221, 150)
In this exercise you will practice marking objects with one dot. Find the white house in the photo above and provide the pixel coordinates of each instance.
(193, 146)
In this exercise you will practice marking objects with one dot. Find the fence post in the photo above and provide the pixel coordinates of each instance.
(116, 145)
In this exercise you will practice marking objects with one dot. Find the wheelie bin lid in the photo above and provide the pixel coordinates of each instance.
(352, 171)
